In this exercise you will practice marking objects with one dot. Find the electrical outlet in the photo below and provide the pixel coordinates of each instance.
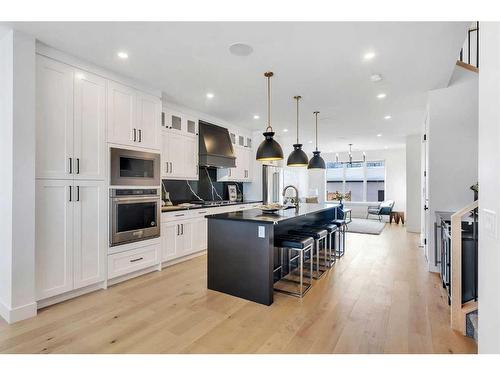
(262, 231)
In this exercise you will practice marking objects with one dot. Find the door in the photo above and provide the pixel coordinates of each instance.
(54, 119)
(53, 237)
(148, 123)
(168, 241)
(90, 234)
(89, 126)
(122, 102)
(191, 158)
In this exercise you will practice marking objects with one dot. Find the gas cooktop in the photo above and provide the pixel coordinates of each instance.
(211, 203)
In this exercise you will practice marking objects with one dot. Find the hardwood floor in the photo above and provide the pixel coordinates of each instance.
(379, 298)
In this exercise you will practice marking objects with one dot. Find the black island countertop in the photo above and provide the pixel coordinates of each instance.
(256, 215)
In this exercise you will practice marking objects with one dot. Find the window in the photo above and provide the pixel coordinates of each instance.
(360, 182)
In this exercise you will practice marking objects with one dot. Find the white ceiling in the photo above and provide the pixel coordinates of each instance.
(321, 61)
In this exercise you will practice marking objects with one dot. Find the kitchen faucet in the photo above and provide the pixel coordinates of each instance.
(296, 200)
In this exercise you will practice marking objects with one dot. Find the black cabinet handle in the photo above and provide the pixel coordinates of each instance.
(78, 193)
(135, 135)
(70, 166)
(140, 135)
(136, 260)
(70, 190)
(77, 165)
(178, 227)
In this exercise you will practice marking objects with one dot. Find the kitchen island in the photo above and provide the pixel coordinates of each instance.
(241, 253)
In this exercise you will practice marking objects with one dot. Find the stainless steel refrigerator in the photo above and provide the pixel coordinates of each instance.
(272, 184)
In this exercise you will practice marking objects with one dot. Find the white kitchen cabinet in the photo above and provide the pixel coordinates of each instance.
(242, 171)
(53, 238)
(200, 234)
(179, 156)
(89, 126)
(179, 122)
(54, 118)
(168, 239)
(148, 125)
(70, 243)
(90, 240)
(122, 114)
(70, 122)
(133, 117)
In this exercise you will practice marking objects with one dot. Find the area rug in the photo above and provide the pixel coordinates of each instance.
(365, 226)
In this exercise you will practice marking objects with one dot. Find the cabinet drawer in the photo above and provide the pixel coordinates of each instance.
(132, 260)
(176, 215)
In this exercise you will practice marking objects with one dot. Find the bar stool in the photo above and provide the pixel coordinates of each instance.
(341, 225)
(332, 233)
(319, 236)
(301, 245)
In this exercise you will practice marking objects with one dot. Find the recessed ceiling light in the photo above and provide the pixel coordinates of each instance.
(375, 78)
(256, 117)
(240, 49)
(381, 95)
(80, 76)
(122, 55)
(369, 55)
(285, 130)
(387, 117)
(379, 135)
(386, 147)
(210, 95)
(310, 142)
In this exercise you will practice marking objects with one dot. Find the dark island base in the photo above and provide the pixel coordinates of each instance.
(241, 254)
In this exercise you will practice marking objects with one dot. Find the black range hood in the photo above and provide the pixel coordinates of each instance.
(216, 149)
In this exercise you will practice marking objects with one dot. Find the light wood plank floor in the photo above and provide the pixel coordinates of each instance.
(379, 298)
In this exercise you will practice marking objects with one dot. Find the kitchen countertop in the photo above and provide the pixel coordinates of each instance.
(256, 215)
(197, 207)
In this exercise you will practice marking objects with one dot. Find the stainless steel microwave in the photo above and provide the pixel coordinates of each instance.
(134, 168)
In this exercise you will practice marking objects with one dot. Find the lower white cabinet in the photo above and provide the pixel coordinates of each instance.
(70, 242)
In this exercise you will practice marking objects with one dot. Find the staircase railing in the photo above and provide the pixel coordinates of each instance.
(469, 54)
(460, 307)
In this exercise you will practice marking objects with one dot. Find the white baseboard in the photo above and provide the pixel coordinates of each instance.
(18, 313)
(72, 294)
(183, 259)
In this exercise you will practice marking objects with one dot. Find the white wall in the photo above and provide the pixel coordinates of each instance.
(17, 173)
(452, 148)
(489, 188)
(413, 183)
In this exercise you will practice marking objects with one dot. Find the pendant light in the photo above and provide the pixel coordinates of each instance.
(350, 156)
(298, 157)
(269, 149)
(316, 161)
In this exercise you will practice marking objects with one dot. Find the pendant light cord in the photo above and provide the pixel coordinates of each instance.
(297, 98)
(269, 75)
(316, 113)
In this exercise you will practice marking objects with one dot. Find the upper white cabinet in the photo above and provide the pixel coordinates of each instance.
(179, 122)
(179, 146)
(122, 114)
(244, 166)
(133, 117)
(70, 246)
(70, 122)
(54, 119)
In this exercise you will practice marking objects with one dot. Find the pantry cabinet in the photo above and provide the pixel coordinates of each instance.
(133, 117)
(70, 122)
(70, 237)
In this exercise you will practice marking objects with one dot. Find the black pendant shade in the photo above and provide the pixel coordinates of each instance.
(297, 157)
(269, 149)
(316, 161)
